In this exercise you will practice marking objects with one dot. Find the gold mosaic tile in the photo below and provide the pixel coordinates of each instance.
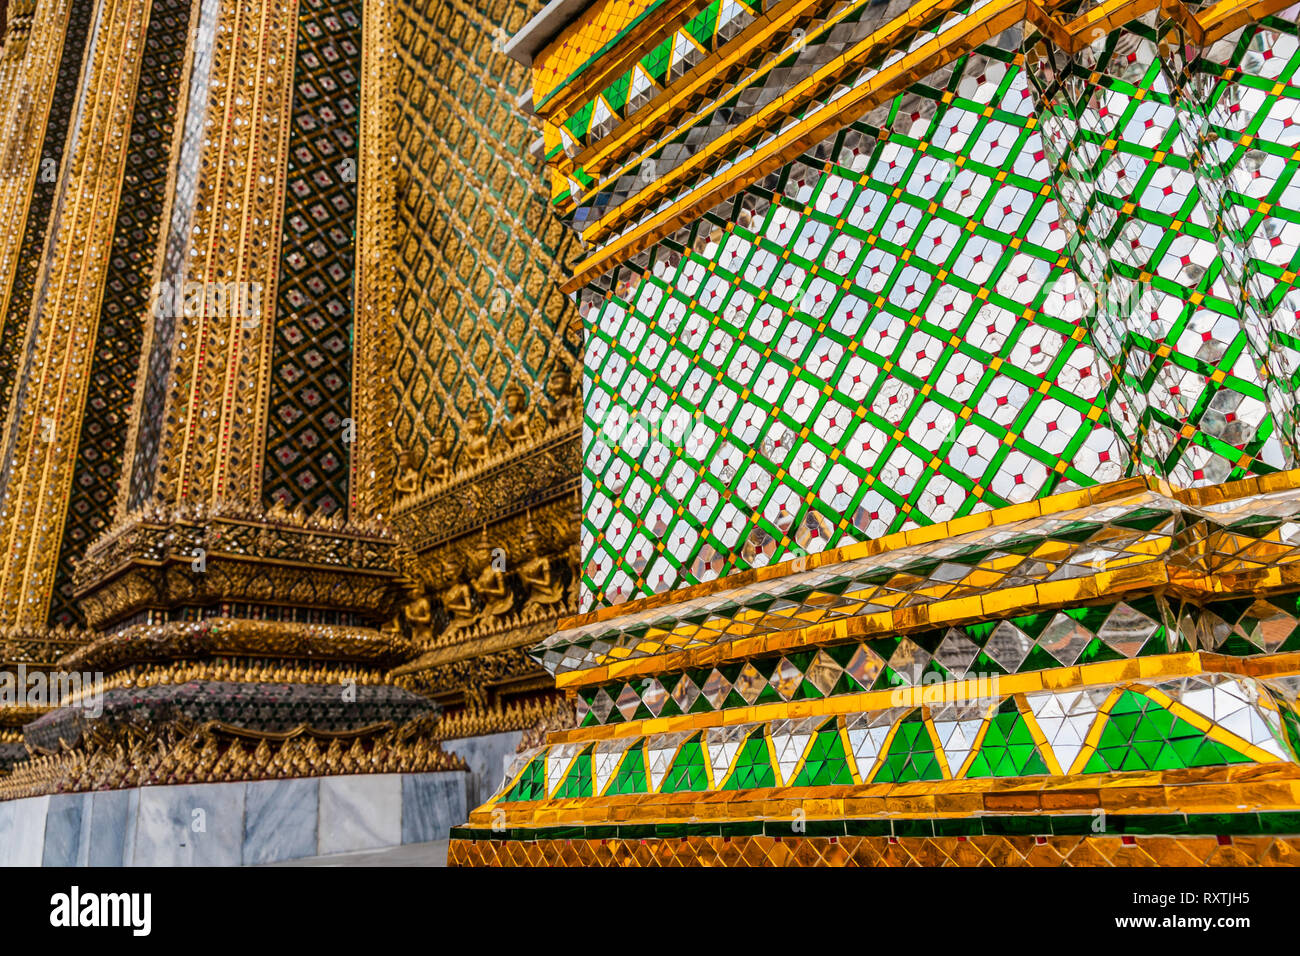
(882, 851)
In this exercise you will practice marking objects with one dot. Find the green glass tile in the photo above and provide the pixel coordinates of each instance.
(868, 828)
(1142, 735)
(914, 829)
(687, 771)
(631, 776)
(1285, 823)
(753, 766)
(531, 784)
(1007, 749)
(910, 756)
(701, 26)
(577, 782)
(825, 763)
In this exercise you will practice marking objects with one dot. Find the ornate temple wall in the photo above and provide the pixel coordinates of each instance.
(897, 328)
(189, 457)
(484, 425)
(939, 449)
(479, 311)
(250, 343)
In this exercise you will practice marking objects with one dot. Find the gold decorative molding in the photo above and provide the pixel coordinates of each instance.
(237, 637)
(38, 645)
(42, 445)
(215, 412)
(242, 669)
(195, 557)
(516, 632)
(374, 399)
(502, 486)
(535, 716)
(145, 754)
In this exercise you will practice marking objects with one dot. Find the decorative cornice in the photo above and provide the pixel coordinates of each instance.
(258, 709)
(225, 637)
(533, 716)
(1096, 545)
(519, 630)
(323, 564)
(39, 646)
(502, 486)
(143, 754)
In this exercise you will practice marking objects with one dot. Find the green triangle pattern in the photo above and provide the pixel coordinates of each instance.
(630, 777)
(1008, 750)
(826, 764)
(910, 756)
(531, 784)
(1141, 735)
(753, 766)
(687, 772)
(577, 782)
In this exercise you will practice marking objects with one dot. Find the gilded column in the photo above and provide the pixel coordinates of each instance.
(231, 572)
(40, 443)
(40, 66)
(243, 424)
(217, 381)
(374, 346)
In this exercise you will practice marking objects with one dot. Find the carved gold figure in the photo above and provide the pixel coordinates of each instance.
(491, 584)
(516, 427)
(419, 615)
(564, 407)
(407, 479)
(458, 601)
(439, 466)
(545, 589)
(475, 450)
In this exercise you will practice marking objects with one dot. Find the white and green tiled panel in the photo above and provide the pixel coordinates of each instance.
(903, 326)
(1136, 729)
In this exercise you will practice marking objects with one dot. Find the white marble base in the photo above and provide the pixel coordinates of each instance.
(22, 831)
(360, 813)
(194, 825)
(232, 824)
(488, 758)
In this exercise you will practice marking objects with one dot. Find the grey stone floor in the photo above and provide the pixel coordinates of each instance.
(412, 854)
